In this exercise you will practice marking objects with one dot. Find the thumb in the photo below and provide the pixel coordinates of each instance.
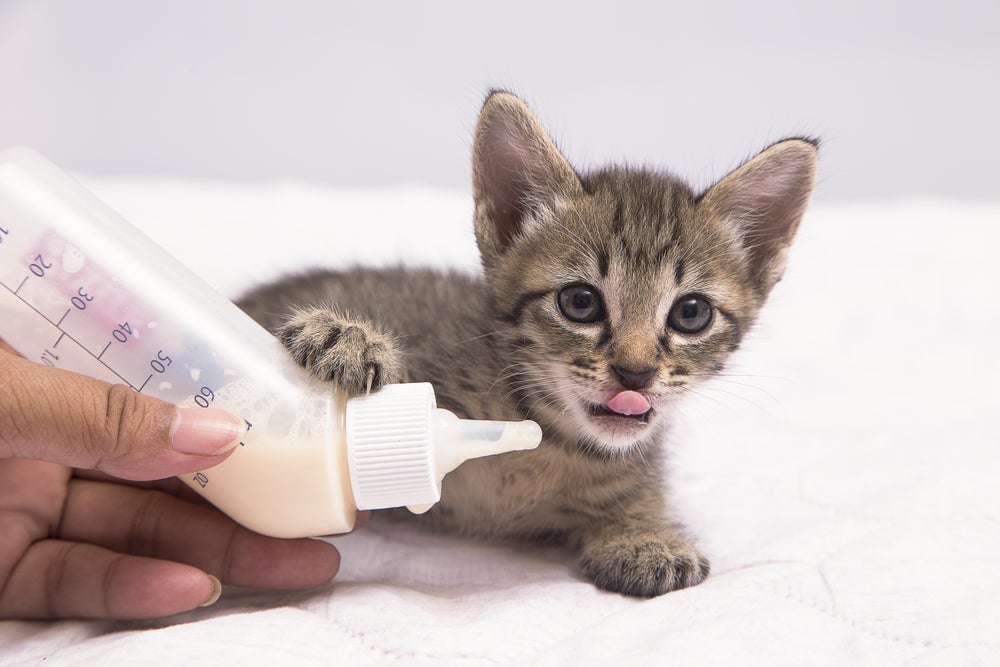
(62, 417)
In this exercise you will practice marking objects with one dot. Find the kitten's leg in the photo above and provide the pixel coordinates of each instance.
(642, 554)
(354, 353)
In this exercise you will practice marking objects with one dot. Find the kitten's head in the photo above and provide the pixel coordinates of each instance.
(622, 287)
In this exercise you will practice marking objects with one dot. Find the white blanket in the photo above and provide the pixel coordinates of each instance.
(842, 477)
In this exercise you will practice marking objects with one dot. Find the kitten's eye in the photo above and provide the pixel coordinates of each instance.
(580, 303)
(691, 314)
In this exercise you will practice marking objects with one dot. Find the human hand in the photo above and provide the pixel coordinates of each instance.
(76, 542)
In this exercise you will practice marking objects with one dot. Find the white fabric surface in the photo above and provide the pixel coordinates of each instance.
(842, 477)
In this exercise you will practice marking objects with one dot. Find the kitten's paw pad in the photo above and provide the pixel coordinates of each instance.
(644, 565)
(353, 353)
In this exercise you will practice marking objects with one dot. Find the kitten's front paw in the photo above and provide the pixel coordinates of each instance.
(353, 353)
(645, 565)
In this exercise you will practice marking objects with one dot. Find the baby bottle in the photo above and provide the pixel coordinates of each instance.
(82, 290)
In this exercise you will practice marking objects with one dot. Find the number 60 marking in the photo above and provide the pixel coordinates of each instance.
(204, 397)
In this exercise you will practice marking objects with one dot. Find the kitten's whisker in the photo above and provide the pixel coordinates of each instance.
(538, 389)
(746, 385)
(508, 373)
(760, 376)
(727, 378)
(744, 399)
(475, 338)
(711, 398)
(704, 391)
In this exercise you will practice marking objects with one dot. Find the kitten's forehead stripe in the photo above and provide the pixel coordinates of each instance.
(643, 213)
(663, 255)
(674, 207)
(603, 260)
(679, 271)
(618, 218)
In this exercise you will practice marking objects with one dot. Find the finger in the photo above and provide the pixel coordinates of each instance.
(33, 489)
(157, 525)
(32, 495)
(56, 579)
(172, 485)
(179, 489)
(63, 417)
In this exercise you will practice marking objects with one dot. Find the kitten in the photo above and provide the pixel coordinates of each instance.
(606, 297)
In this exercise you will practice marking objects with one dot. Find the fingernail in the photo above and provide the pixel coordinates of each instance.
(216, 592)
(205, 431)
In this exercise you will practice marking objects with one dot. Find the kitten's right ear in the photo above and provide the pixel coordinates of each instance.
(517, 172)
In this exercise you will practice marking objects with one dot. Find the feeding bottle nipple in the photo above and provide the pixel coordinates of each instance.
(400, 445)
(457, 440)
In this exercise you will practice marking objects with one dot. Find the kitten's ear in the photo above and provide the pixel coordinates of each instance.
(517, 172)
(765, 199)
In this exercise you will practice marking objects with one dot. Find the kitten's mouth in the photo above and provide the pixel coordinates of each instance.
(627, 405)
(603, 411)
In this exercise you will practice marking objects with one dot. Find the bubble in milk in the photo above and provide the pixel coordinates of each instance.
(271, 417)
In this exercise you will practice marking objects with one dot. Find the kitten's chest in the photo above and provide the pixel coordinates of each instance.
(529, 494)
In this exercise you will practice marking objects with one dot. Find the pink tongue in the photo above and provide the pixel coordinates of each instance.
(629, 403)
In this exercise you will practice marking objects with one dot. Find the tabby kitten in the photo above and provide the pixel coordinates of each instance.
(606, 297)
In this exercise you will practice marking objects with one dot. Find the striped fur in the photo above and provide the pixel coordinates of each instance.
(501, 348)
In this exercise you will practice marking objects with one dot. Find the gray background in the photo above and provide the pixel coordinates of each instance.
(904, 94)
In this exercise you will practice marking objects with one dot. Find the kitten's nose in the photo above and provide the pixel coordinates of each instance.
(633, 379)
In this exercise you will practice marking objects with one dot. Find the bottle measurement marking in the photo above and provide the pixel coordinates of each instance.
(44, 300)
(48, 356)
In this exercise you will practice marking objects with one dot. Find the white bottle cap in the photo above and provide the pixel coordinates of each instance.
(400, 446)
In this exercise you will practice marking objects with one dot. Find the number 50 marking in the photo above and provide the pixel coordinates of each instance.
(161, 362)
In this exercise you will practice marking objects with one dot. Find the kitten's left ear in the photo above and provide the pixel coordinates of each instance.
(765, 199)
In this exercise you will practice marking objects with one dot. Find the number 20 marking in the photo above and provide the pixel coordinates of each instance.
(39, 266)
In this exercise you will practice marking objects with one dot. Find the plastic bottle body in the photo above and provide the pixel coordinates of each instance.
(82, 290)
